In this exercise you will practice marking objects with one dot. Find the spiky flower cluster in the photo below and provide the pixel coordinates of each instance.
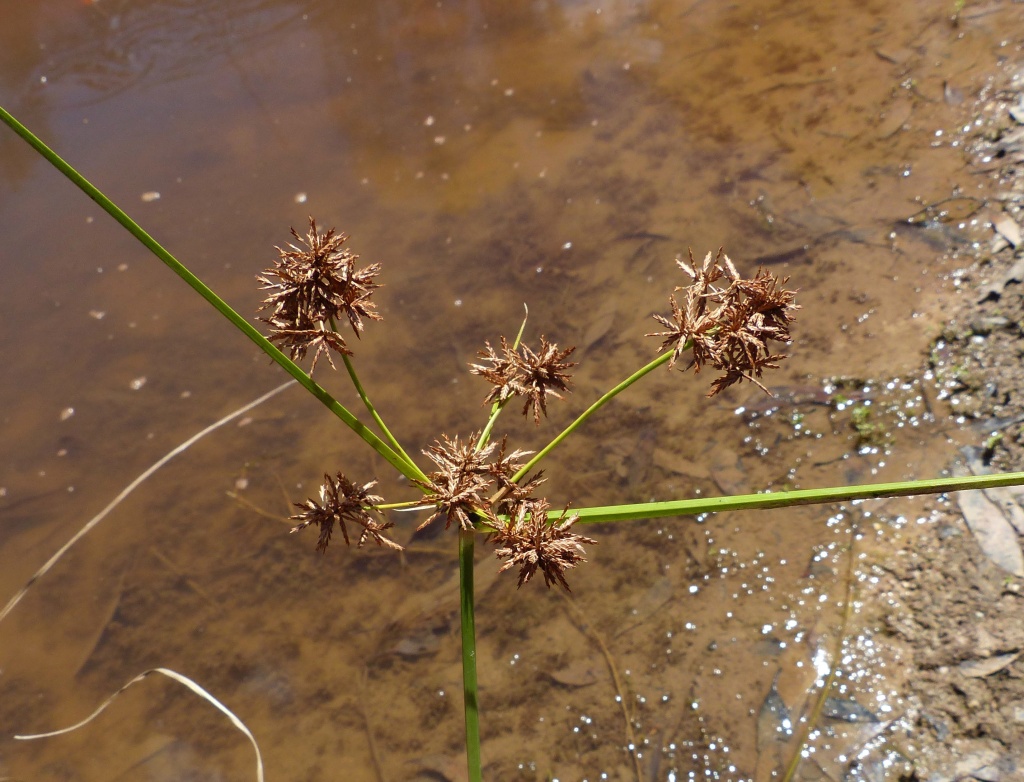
(725, 320)
(522, 533)
(313, 286)
(527, 539)
(458, 490)
(465, 474)
(343, 501)
(526, 373)
(728, 326)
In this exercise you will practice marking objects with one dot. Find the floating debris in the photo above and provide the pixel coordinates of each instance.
(579, 673)
(773, 721)
(847, 710)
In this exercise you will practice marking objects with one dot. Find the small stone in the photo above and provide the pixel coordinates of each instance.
(1007, 227)
(987, 324)
(1017, 710)
(1016, 273)
(977, 756)
(985, 642)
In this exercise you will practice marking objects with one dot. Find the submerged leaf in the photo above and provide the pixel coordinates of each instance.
(773, 720)
(847, 710)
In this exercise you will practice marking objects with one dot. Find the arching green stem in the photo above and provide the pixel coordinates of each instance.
(784, 499)
(395, 445)
(604, 399)
(108, 206)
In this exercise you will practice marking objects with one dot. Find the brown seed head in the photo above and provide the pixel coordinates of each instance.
(531, 543)
(527, 373)
(312, 285)
(502, 372)
(459, 487)
(342, 501)
(730, 326)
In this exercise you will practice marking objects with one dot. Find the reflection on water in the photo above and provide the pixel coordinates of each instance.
(488, 153)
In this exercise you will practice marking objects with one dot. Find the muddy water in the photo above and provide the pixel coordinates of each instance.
(490, 154)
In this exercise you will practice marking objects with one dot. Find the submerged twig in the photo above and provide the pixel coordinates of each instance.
(187, 579)
(252, 506)
(584, 627)
(378, 767)
(819, 703)
(181, 679)
(129, 489)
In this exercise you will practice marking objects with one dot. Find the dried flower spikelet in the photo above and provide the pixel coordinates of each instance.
(312, 285)
(728, 325)
(501, 372)
(342, 501)
(529, 541)
(503, 467)
(458, 488)
(531, 374)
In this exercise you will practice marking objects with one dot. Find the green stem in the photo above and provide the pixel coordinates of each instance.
(469, 682)
(485, 435)
(652, 510)
(662, 359)
(219, 304)
(467, 542)
(395, 445)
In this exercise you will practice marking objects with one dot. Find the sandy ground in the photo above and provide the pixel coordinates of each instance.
(958, 617)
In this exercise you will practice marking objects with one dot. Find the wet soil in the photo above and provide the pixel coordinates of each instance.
(957, 615)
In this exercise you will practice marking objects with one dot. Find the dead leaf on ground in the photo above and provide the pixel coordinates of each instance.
(995, 535)
(988, 665)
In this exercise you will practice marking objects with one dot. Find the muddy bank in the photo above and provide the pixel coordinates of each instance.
(954, 587)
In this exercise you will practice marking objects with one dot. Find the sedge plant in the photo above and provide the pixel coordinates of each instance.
(475, 482)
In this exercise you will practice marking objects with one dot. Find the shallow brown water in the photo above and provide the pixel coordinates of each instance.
(490, 154)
